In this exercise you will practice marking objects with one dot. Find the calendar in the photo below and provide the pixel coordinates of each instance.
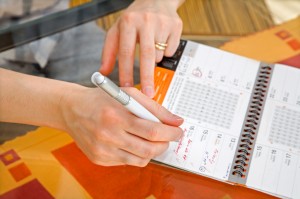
(285, 124)
(241, 118)
(201, 108)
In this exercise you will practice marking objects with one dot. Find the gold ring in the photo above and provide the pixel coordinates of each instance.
(161, 44)
(158, 47)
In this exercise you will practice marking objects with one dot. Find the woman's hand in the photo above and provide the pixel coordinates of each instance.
(110, 135)
(146, 22)
(104, 129)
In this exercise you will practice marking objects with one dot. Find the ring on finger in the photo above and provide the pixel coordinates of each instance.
(160, 46)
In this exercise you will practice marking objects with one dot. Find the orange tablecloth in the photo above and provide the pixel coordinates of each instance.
(46, 163)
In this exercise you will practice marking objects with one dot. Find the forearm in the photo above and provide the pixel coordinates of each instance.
(31, 100)
(102, 128)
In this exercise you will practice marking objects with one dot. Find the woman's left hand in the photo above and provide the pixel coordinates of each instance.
(156, 26)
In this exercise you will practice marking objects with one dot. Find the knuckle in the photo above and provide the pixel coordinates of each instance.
(112, 116)
(149, 153)
(126, 51)
(158, 108)
(153, 134)
(128, 17)
(148, 51)
(96, 156)
(147, 16)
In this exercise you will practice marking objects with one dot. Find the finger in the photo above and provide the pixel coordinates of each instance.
(153, 131)
(102, 146)
(156, 109)
(100, 154)
(109, 163)
(140, 147)
(110, 50)
(118, 156)
(161, 35)
(104, 155)
(174, 39)
(145, 129)
(159, 55)
(160, 48)
(147, 61)
(130, 159)
(126, 53)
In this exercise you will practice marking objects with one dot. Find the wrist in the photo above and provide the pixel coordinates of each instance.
(68, 104)
(34, 100)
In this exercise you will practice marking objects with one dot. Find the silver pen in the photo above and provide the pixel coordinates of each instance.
(121, 96)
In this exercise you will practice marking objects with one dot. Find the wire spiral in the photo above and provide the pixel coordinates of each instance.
(250, 127)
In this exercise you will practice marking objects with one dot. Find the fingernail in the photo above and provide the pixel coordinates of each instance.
(149, 91)
(176, 117)
(127, 84)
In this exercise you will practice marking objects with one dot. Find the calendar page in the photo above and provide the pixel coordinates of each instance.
(275, 165)
(211, 90)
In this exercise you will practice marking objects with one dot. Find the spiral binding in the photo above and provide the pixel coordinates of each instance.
(251, 123)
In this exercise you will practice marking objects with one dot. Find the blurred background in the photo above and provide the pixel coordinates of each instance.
(214, 22)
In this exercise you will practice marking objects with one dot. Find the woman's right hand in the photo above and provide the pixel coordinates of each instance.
(109, 134)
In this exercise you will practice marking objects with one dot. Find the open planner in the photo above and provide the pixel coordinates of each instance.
(242, 118)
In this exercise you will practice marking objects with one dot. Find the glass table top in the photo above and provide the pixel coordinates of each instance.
(24, 21)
